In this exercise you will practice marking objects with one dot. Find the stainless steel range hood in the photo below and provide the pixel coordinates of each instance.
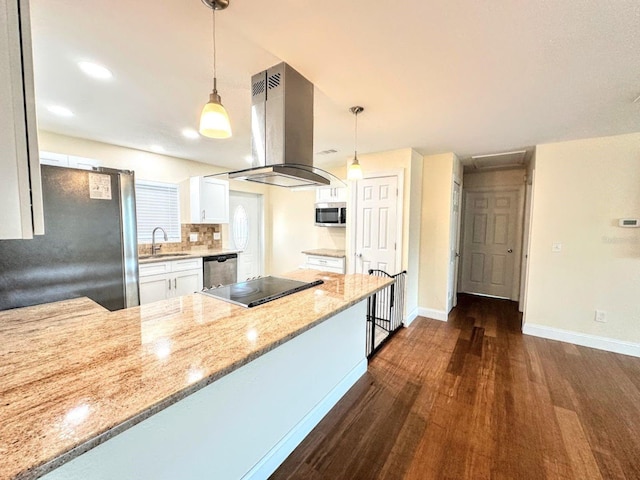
(282, 130)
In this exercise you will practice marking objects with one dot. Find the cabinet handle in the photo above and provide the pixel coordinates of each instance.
(169, 284)
(175, 283)
(202, 218)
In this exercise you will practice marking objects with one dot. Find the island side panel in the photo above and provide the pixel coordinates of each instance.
(244, 424)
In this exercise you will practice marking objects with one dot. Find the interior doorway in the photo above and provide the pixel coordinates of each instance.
(454, 245)
(492, 242)
(376, 217)
(492, 232)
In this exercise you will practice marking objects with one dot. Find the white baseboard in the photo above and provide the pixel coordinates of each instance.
(583, 339)
(411, 317)
(431, 313)
(272, 460)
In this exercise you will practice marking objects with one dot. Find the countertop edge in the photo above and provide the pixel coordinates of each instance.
(167, 257)
(325, 252)
(49, 465)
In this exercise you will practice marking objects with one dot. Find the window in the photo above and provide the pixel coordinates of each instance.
(157, 205)
(240, 228)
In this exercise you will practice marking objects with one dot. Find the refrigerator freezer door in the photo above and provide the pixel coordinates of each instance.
(86, 248)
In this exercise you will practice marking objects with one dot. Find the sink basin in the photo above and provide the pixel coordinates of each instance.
(162, 255)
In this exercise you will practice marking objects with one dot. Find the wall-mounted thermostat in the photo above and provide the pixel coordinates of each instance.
(629, 222)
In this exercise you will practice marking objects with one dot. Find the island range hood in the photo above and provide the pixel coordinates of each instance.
(282, 130)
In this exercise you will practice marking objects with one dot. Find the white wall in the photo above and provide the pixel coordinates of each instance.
(437, 182)
(414, 214)
(581, 189)
(148, 166)
(292, 226)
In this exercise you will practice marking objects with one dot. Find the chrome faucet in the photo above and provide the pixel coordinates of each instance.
(155, 248)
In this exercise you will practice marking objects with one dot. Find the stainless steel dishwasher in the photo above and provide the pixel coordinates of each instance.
(220, 270)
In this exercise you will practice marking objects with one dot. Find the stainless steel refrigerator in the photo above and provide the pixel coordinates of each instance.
(89, 247)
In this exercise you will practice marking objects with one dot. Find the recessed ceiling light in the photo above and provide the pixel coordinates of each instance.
(95, 71)
(190, 133)
(157, 148)
(60, 110)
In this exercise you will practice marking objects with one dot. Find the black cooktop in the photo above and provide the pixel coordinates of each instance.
(260, 290)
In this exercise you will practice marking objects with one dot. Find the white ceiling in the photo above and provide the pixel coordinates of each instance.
(467, 76)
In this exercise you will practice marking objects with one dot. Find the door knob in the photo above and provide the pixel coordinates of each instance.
(510, 250)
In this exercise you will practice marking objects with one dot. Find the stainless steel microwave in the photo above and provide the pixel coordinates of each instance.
(331, 214)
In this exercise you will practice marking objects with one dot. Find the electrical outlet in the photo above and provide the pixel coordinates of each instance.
(601, 316)
(216, 236)
(193, 237)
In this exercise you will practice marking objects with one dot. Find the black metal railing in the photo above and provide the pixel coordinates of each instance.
(385, 311)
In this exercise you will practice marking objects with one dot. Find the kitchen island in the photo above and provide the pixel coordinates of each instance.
(190, 387)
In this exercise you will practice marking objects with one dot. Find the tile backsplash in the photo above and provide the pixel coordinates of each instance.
(205, 239)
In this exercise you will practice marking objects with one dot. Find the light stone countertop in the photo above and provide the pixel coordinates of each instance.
(73, 375)
(170, 256)
(326, 252)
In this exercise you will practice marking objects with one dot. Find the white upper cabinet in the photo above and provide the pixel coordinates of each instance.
(331, 194)
(71, 161)
(20, 187)
(54, 159)
(209, 200)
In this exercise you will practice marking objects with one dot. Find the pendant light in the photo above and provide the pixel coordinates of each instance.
(355, 170)
(214, 120)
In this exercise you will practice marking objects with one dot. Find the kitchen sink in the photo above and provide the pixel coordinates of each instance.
(162, 255)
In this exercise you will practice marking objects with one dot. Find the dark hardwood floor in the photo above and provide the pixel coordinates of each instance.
(475, 399)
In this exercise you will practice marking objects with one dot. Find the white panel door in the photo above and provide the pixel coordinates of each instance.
(490, 243)
(376, 218)
(245, 232)
(453, 247)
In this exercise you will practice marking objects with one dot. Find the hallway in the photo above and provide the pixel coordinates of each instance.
(473, 398)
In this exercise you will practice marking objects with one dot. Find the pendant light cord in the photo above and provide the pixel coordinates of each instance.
(213, 10)
(355, 153)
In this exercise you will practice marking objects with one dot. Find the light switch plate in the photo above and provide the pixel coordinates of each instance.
(601, 316)
(193, 237)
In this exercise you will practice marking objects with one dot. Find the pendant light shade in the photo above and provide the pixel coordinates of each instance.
(214, 119)
(354, 172)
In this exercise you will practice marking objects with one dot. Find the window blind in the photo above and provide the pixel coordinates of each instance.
(157, 205)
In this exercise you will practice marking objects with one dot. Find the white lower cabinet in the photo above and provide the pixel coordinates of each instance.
(326, 264)
(162, 280)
